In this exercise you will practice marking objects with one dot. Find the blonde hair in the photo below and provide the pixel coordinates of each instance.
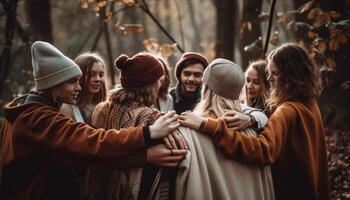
(213, 104)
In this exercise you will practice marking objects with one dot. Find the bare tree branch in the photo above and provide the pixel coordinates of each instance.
(272, 10)
(146, 9)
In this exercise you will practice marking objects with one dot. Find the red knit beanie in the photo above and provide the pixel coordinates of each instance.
(140, 70)
(189, 58)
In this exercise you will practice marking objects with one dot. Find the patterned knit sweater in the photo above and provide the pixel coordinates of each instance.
(117, 183)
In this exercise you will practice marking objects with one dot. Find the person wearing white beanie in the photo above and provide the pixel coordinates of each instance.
(40, 145)
(222, 83)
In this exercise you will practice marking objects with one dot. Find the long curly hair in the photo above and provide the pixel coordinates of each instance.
(298, 79)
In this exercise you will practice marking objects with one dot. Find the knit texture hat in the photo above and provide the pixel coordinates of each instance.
(50, 66)
(140, 70)
(224, 78)
(189, 58)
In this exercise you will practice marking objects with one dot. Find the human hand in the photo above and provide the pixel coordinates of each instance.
(191, 120)
(175, 140)
(164, 125)
(162, 156)
(236, 120)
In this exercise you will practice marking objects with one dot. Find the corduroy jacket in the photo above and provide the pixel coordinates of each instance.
(40, 145)
(293, 142)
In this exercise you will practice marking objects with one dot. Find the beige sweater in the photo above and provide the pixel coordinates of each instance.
(206, 173)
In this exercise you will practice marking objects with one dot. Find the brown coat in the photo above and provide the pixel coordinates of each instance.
(293, 142)
(39, 145)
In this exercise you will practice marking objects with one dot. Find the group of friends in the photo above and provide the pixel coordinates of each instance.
(220, 133)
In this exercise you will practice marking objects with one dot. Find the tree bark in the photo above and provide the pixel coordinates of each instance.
(251, 11)
(38, 14)
(227, 20)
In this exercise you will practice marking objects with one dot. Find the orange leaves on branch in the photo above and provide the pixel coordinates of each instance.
(84, 4)
(336, 38)
(152, 45)
(312, 35)
(167, 50)
(331, 63)
(108, 16)
(306, 7)
(274, 38)
(128, 2)
(130, 29)
(101, 4)
(246, 25)
(320, 44)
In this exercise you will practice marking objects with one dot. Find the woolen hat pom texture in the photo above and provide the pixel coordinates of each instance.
(189, 58)
(224, 78)
(50, 66)
(140, 70)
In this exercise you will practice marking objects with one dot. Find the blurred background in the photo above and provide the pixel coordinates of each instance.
(238, 30)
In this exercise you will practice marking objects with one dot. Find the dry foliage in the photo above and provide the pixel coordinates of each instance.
(338, 151)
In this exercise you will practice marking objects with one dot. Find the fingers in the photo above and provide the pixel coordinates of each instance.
(172, 141)
(167, 143)
(230, 113)
(180, 140)
(169, 114)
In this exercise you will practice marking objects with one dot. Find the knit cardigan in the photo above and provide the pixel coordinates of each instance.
(293, 142)
(121, 183)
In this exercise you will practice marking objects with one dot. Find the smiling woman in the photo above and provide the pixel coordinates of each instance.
(256, 85)
(93, 86)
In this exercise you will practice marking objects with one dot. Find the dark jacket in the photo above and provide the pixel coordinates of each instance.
(40, 145)
(182, 102)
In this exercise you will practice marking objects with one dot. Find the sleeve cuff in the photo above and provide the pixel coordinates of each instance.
(147, 137)
(208, 126)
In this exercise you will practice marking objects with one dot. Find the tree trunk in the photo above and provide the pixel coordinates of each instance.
(227, 18)
(38, 14)
(197, 36)
(251, 11)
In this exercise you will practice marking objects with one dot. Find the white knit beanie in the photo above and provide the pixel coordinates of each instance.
(50, 66)
(224, 78)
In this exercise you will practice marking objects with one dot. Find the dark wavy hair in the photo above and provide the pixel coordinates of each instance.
(298, 79)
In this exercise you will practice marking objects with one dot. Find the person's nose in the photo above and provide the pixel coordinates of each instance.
(78, 88)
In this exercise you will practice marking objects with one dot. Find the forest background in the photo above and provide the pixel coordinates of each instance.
(238, 30)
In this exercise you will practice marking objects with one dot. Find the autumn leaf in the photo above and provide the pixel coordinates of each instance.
(306, 6)
(130, 29)
(274, 38)
(334, 14)
(243, 26)
(101, 4)
(151, 44)
(331, 63)
(108, 16)
(129, 2)
(317, 14)
(336, 39)
(249, 25)
(320, 44)
(312, 35)
(84, 4)
(167, 50)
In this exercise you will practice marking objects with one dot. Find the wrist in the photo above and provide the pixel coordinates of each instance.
(253, 122)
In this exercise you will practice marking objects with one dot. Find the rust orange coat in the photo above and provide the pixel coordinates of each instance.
(39, 145)
(293, 143)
